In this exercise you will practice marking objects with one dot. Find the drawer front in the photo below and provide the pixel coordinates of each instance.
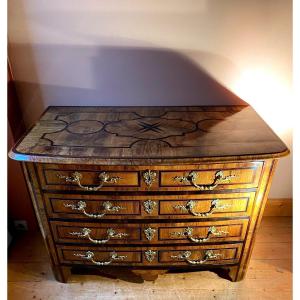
(151, 256)
(95, 233)
(75, 255)
(209, 206)
(91, 207)
(212, 177)
(203, 232)
(91, 178)
(156, 233)
(87, 178)
(98, 207)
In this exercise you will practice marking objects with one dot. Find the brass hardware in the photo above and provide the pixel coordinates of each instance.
(76, 178)
(150, 255)
(149, 206)
(85, 233)
(188, 232)
(209, 254)
(149, 177)
(192, 177)
(89, 255)
(149, 232)
(189, 206)
(107, 206)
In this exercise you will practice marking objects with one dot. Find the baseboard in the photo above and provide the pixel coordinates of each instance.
(282, 207)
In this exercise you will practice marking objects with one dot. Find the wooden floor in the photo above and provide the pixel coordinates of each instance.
(269, 275)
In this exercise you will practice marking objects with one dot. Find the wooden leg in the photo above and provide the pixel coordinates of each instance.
(66, 272)
(241, 274)
(233, 273)
(149, 275)
(61, 273)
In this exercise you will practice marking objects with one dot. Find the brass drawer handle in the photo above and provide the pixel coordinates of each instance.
(191, 204)
(107, 206)
(103, 176)
(192, 177)
(89, 255)
(85, 233)
(188, 232)
(209, 254)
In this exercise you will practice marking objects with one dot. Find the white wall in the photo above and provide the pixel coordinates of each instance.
(171, 52)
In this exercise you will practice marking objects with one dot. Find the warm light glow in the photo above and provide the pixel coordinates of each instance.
(268, 95)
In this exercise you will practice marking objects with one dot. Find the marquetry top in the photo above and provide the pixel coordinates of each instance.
(143, 135)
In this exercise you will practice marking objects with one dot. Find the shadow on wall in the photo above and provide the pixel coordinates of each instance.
(112, 76)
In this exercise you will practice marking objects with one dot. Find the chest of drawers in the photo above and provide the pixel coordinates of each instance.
(149, 189)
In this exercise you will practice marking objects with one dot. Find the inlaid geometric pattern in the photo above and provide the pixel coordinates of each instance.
(148, 133)
(151, 128)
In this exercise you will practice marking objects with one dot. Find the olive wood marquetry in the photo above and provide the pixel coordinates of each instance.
(163, 256)
(67, 206)
(167, 178)
(150, 233)
(149, 188)
(139, 135)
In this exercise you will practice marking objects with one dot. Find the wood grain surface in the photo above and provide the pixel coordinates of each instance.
(162, 233)
(131, 178)
(142, 135)
(136, 256)
(148, 187)
(133, 206)
(269, 275)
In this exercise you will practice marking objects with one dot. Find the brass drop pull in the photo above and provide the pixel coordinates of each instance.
(193, 175)
(103, 177)
(85, 233)
(89, 255)
(209, 254)
(107, 207)
(189, 207)
(188, 232)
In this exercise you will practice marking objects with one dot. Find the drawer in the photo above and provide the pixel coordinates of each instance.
(151, 256)
(203, 232)
(95, 233)
(98, 207)
(93, 178)
(91, 207)
(87, 178)
(212, 176)
(158, 233)
(205, 206)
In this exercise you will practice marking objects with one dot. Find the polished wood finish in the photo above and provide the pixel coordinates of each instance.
(143, 135)
(269, 274)
(135, 256)
(148, 204)
(246, 174)
(133, 206)
(234, 230)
